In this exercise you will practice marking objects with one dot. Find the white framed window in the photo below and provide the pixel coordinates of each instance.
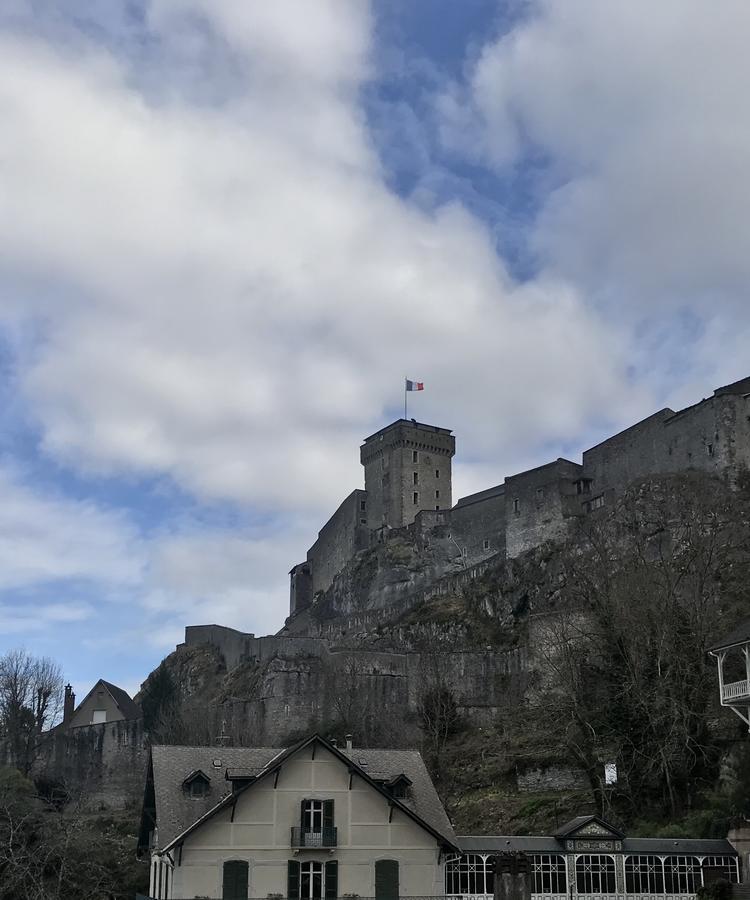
(682, 874)
(311, 880)
(98, 716)
(644, 875)
(472, 873)
(726, 867)
(312, 816)
(548, 874)
(595, 874)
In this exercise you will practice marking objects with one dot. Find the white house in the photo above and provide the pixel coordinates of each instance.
(311, 822)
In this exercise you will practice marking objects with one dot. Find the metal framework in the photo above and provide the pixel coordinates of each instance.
(594, 876)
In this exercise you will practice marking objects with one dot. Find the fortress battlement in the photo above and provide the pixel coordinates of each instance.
(408, 483)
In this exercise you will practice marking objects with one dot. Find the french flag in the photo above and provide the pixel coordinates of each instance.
(414, 385)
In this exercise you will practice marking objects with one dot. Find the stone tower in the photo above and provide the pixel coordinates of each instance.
(407, 469)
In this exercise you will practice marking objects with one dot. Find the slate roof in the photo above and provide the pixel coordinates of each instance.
(128, 707)
(737, 635)
(549, 844)
(579, 821)
(423, 798)
(176, 812)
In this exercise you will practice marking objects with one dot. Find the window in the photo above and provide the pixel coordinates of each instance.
(197, 789)
(414, 456)
(437, 495)
(415, 478)
(516, 506)
(438, 506)
(316, 821)
(415, 497)
(386, 879)
(710, 449)
(311, 880)
(682, 874)
(363, 521)
(595, 874)
(472, 873)
(486, 544)
(583, 486)
(594, 503)
(548, 874)
(644, 875)
(437, 473)
(363, 505)
(98, 716)
(234, 881)
(715, 867)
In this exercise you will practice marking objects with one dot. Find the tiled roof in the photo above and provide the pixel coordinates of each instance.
(176, 812)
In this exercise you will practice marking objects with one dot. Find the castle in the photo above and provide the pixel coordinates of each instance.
(408, 486)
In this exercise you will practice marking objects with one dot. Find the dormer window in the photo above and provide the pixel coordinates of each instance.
(400, 787)
(196, 785)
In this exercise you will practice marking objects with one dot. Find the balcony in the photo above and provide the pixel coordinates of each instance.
(326, 837)
(736, 692)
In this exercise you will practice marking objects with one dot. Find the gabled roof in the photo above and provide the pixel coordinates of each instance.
(128, 707)
(194, 775)
(574, 826)
(177, 816)
(738, 635)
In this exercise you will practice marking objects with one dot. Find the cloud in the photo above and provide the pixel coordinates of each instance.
(46, 537)
(639, 114)
(243, 292)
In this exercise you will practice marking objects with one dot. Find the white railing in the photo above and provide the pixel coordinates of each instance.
(735, 690)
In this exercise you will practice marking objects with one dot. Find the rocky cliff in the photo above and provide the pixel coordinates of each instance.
(518, 678)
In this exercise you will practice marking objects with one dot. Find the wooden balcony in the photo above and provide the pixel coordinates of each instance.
(736, 692)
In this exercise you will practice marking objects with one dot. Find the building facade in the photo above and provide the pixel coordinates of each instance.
(307, 823)
(589, 859)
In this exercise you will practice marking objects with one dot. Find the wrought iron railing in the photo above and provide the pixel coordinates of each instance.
(302, 837)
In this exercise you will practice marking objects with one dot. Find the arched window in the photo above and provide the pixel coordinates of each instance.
(682, 874)
(548, 874)
(386, 879)
(235, 879)
(595, 874)
(644, 875)
(471, 873)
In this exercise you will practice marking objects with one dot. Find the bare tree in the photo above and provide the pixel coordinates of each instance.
(31, 693)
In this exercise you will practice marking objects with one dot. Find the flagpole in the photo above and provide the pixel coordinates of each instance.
(405, 380)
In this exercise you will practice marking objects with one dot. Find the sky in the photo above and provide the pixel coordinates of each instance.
(229, 230)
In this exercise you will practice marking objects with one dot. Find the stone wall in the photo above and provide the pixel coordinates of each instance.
(405, 459)
(554, 777)
(339, 539)
(477, 525)
(539, 505)
(103, 764)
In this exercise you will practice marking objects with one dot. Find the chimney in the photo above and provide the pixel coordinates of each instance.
(333, 742)
(348, 741)
(69, 704)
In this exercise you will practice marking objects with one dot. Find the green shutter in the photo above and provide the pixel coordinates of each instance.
(331, 880)
(292, 879)
(328, 814)
(386, 879)
(235, 880)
